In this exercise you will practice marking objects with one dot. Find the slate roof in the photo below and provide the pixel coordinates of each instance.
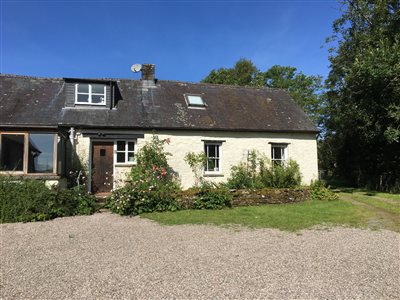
(34, 102)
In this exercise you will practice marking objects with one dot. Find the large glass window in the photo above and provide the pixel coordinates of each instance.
(28, 152)
(12, 152)
(41, 153)
(212, 153)
(90, 93)
(124, 152)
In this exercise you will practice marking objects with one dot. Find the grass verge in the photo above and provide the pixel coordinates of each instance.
(385, 207)
(290, 217)
(391, 207)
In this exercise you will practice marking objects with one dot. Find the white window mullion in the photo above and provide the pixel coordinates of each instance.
(90, 94)
(126, 151)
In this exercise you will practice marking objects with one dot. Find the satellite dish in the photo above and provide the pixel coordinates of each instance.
(136, 68)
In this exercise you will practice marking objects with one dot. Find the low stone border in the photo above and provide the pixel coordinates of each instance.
(269, 196)
(254, 197)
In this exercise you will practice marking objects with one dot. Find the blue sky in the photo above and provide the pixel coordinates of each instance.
(184, 39)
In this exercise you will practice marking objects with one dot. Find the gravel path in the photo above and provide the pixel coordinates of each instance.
(108, 256)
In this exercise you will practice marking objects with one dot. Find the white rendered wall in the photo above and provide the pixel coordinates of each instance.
(302, 147)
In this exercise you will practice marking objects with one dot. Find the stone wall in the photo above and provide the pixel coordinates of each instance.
(254, 197)
(269, 196)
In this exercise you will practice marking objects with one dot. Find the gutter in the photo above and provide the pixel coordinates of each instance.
(29, 126)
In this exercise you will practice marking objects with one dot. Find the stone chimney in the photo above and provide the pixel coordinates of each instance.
(148, 74)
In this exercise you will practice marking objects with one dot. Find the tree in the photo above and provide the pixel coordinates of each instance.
(363, 104)
(305, 90)
(243, 73)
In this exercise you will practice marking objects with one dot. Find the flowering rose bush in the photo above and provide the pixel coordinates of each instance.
(153, 184)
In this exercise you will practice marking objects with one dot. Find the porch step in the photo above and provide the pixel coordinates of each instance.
(100, 196)
(101, 200)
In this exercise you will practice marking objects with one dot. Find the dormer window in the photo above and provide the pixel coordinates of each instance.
(195, 101)
(90, 93)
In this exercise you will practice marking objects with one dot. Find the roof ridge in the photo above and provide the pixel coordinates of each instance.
(60, 78)
(29, 76)
(225, 85)
(138, 80)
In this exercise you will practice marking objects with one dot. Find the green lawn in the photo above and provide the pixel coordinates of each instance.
(355, 208)
(281, 216)
(388, 205)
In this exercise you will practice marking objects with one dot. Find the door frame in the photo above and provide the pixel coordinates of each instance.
(91, 161)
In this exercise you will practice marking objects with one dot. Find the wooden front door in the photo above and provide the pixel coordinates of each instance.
(102, 167)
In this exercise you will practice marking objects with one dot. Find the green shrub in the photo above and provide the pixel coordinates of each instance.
(122, 201)
(320, 192)
(211, 196)
(241, 178)
(196, 162)
(31, 200)
(281, 176)
(79, 201)
(153, 185)
(257, 172)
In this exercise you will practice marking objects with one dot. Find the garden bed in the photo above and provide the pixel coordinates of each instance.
(252, 197)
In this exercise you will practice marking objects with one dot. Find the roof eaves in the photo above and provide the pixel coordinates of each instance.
(99, 80)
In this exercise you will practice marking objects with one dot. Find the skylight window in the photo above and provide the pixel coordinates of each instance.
(195, 100)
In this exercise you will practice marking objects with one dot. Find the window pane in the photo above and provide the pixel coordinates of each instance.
(121, 157)
(121, 146)
(212, 165)
(12, 152)
(98, 88)
(207, 166)
(131, 156)
(277, 153)
(41, 153)
(97, 99)
(83, 88)
(216, 163)
(195, 100)
(83, 98)
(211, 151)
(131, 146)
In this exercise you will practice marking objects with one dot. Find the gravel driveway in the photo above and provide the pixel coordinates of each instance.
(108, 256)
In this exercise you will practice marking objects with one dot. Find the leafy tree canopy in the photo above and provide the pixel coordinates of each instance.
(305, 90)
(363, 128)
(243, 73)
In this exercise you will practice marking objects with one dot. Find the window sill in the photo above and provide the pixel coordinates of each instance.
(19, 175)
(124, 164)
(90, 104)
(87, 106)
(216, 174)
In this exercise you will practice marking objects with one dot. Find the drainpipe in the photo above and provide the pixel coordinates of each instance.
(72, 140)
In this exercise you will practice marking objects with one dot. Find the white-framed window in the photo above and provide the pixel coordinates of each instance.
(278, 154)
(124, 152)
(90, 93)
(213, 154)
(195, 101)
